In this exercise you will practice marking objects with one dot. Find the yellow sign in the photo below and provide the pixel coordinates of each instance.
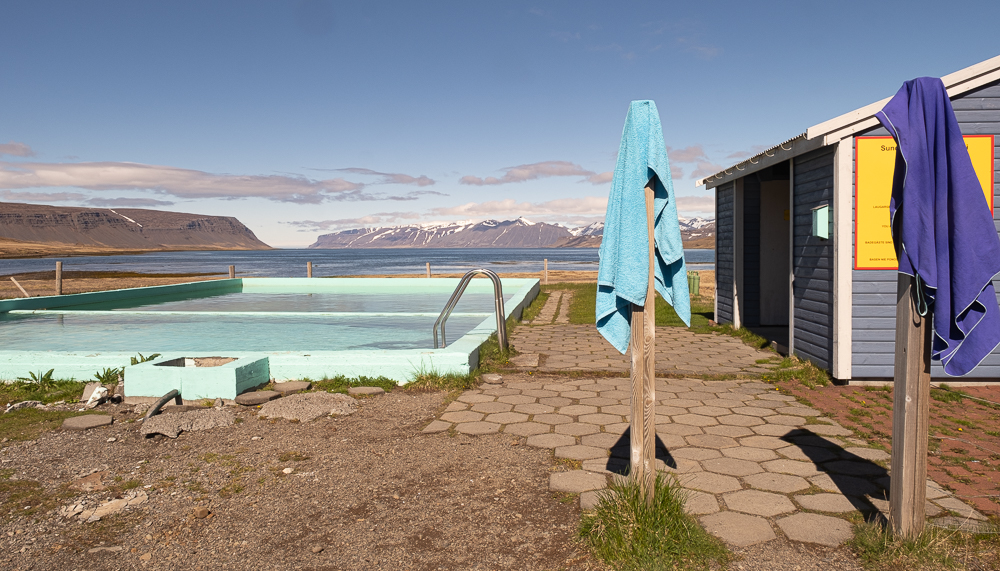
(874, 162)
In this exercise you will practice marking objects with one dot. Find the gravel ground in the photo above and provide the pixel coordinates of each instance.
(366, 491)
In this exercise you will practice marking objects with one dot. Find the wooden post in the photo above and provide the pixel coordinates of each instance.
(641, 345)
(428, 269)
(232, 272)
(910, 412)
(58, 278)
(19, 287)
(309, 269)
(545, 274)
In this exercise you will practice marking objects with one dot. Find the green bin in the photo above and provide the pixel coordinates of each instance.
(694, 282)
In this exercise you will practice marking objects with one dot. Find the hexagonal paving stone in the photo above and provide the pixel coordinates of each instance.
(600, 419)
(830, 430)
(711, 441)
(599, 401)
(749, 453)
(694, 420)
(769, 442)
(772, 429)
(580, 452)
(755, 411)
(693, 453)
(577, 428)
(738, 529)
(866, 453)
(555, 401)
(678, 429)
(577, 410)
(730, 431)
(710, 482)
(709, 410)
(756, 502)
(815, 528)
(797, 411)
(683, 403)
(739, 420)
(617, 409)
(782, 483)
(490, 407)
(700, 503)
(833, 503)
(848, 485)
(550, 440)
(477, 427)
(437, 426)
(462, 416)
(473, 398)
(455, 405)
(527, 428)
(600, 439)
(539, 393)
(552, 418)
(616, 428)
(813, 454)
(785, 420)
(794, 467)
(731, 466)
(576, 481)
(533, 408)
(863, 468)
(507, 417)
(517, 399)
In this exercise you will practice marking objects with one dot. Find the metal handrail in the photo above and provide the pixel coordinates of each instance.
(457, 294)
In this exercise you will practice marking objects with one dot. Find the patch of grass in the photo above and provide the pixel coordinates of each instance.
(880, 549)
(47, 392)
(24, 497)
(535, 307)
(292, 457)
(28, 423)
(804, 372)
(581, 309)
(627, 534)
(946, 394)
(429, 379)
(341, 383)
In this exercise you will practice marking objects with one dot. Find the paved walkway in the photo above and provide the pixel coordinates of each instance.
(756, 463)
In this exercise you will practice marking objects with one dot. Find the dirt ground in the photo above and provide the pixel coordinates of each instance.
(964, 446)
(367, 491)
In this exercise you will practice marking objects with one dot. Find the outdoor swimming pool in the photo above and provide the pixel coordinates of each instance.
(306, 327)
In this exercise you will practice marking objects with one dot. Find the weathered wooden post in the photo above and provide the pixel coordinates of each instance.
(545, 272)
(309, 269)
(910, 412)
(232, 272)
(642, 344)
(58, 278)
(26, 294)
(428, 269)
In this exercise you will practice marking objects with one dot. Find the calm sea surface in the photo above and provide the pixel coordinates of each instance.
(292, 263)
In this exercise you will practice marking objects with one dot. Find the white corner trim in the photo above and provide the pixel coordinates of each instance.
(843, 251)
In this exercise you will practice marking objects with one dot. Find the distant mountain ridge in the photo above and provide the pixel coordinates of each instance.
(23, 225)
(517, 233)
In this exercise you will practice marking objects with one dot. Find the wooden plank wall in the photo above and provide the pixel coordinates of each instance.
(751, 250)
(724, 264)
(874, 291)
(813, 258)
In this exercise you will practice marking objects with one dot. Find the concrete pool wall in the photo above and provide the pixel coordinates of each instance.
(460, 357)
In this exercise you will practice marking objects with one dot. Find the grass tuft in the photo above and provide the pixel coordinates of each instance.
(47, 392)
(629, 535)
(340, 383)
(581, 309)
(880, 549)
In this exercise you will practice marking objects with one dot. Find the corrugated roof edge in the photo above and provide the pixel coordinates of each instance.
(845, 125)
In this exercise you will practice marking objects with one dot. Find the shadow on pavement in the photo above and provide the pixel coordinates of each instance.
(619, 461)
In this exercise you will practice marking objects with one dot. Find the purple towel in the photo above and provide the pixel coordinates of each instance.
(942, 226)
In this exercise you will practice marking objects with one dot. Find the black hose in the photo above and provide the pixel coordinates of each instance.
(155, 409)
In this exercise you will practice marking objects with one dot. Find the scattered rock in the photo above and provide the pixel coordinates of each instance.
(287, 471)
(256, 438)
(23, 404)
(88, 391)
(170, 425)
(308, 406)
(145, 556)
(492, 379)
(525, 360)
(120, 390)
(174, 408)
(86, 422)
(114, 506)
(365, 391)
(291, 387)
(98, 396)
(201, 512)
(317, 549)
(219, 403)
(91, 483)
(112, 439)
(257, 397)
(141, 408)
(114, 549)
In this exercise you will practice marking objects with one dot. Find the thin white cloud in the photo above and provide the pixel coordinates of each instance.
(533, 171)
(696, 204)
(706, 168)
(377, 219)
(510, 207)
(389, 177)
(178, 182)
(127, 202)
(693, 45)
(689, 154)
(15, 149)
(676, 172)
(740, 155)
(41, 196)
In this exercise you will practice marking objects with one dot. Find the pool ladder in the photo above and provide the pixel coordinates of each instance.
(457, 294)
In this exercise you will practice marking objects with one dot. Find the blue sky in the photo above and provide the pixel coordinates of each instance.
(305, 117)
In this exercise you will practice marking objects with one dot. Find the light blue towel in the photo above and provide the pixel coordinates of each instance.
(624, 271)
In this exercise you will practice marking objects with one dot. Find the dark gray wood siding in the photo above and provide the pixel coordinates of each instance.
(750, 299)
(812, 258)
(724, 265)
(874, 291)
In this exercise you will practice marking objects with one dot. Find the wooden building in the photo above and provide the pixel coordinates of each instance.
(803, 250)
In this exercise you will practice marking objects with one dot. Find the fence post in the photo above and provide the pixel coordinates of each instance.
(232, 272)
(309, 269)
(545, 274)
(428, 269)
(58, 278)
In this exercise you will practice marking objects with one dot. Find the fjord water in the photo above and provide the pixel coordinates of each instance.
(292, 263)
